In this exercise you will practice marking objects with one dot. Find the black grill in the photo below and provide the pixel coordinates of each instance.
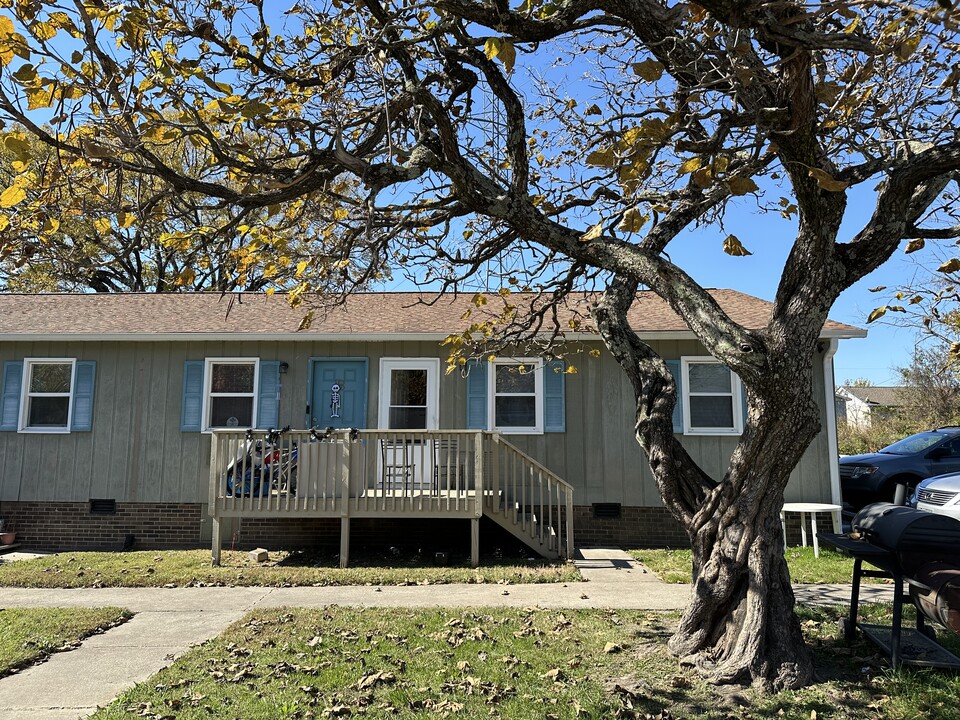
(916, 549)
(912, 537)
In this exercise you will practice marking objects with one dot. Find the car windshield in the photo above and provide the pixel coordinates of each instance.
(913, 444)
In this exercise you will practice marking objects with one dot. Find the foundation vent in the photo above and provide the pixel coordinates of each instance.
(103, 507)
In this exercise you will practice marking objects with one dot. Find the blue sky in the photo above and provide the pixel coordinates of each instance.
(768, 236)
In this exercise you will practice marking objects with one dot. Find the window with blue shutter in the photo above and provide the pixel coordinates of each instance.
(554, 410)
(191, 411)
(477, 395)
(10, 411)
(85, 376)
(674, 367)
(268, 399)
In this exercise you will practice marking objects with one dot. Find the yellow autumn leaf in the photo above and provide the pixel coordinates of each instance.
(43, 31)
(950, 266)
(594, 233)
(650, 70)
(503, 49)
(604, 157)
(51, 225)
(914, 245)
(632, 220)
(102, 225)
(18, 146)
(827, 181)
(4, 222)
(13, 195)
(733, 246)
(741, 185)
(691, 165)
(877, 313)
(38, 98)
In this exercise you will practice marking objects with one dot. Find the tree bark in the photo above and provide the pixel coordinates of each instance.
(740, 625)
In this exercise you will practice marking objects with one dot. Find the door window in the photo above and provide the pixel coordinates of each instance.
(409, 397)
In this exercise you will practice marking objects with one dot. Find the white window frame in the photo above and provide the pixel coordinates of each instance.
(432, 366)
(735, 391)
(208, 383)
(25, 395)
(538, 391)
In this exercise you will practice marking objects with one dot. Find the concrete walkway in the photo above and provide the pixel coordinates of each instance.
(168, 621)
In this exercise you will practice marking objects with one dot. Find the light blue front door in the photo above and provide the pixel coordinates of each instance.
(338, 393)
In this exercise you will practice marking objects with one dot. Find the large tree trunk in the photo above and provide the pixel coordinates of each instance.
(740, 625)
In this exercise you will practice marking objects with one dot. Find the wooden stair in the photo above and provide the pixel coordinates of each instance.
(523, 524)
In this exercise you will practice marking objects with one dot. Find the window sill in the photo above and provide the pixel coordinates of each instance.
(44, 431)
(714, 432)
(518, 431)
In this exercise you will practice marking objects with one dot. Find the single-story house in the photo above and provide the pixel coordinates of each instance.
(858, 405)
(124, 418)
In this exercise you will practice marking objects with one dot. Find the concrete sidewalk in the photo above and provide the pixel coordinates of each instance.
(168, 621)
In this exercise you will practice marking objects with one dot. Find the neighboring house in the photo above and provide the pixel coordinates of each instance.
(111, 404)
(859, 406)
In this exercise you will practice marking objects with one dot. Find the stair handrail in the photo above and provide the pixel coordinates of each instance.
(562, 484)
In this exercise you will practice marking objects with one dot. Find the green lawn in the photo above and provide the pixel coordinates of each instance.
(674, 566)
(190, 568)
(30, 634)
(510, 664)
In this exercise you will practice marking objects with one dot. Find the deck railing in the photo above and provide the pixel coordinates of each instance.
(397, 473)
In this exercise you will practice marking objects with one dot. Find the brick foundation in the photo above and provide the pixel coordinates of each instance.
(63, 526)
(637, 527)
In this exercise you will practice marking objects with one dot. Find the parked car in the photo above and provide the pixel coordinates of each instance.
(939, 495)
(874, 477)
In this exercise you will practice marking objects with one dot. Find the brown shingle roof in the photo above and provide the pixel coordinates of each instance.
(139, 314)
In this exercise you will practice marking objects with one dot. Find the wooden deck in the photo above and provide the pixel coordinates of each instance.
(378, 473)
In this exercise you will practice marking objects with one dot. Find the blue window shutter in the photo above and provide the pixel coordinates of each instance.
(674, 367)
(191, 413)
(477, 395)
(554, 411)
(268, 401)
(12, 377)
(83, 396)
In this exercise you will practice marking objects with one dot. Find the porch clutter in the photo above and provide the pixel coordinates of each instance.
(426, 474)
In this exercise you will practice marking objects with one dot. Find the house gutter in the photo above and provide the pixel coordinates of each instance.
(833, 449)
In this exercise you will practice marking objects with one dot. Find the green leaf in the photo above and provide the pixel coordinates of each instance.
(733, 246)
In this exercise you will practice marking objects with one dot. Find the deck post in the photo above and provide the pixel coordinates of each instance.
(215, 548)
(344, 541)
(569, 552)
(345, 505)
(478, 474)
(475, 542)
(214, 499)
